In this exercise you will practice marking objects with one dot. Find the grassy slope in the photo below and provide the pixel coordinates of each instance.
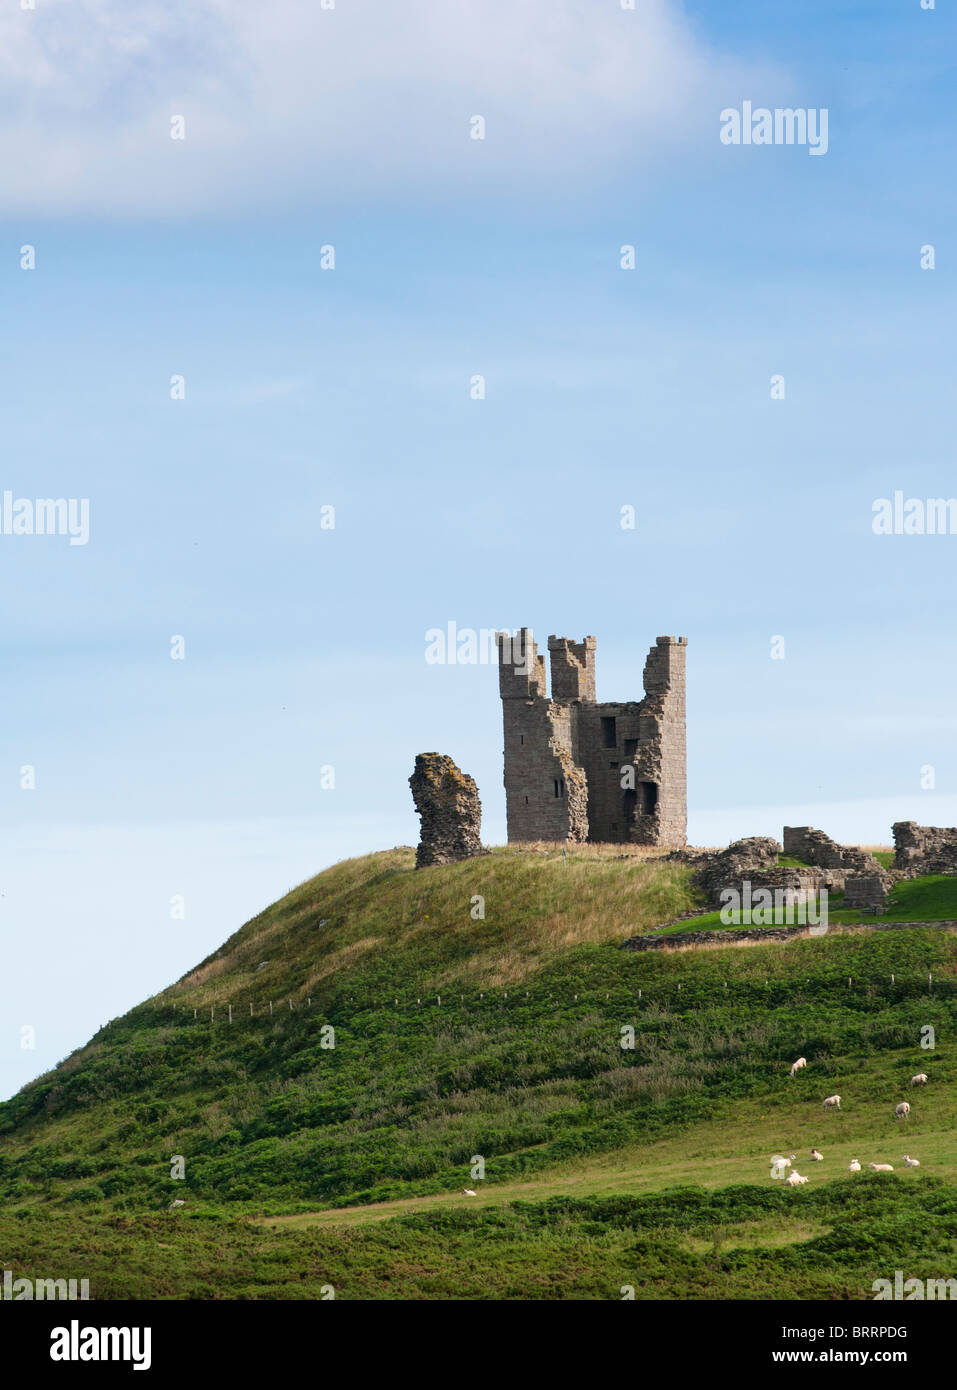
(511, 1065)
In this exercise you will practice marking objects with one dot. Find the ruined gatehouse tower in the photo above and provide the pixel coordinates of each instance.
(579, 770)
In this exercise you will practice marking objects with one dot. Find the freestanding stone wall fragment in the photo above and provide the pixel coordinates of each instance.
(579, 770)
(924, 849)
(447, 801)
(814, 847)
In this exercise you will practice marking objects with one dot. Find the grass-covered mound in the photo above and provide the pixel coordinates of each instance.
(457, 1035)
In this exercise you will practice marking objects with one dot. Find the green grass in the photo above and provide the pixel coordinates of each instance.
(501, 1037)
(932, 898)
(746, 1242)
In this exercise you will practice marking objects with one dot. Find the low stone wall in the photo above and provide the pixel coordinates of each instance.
(740, 937)
(799, 880)
(866, 891)
(756, 936)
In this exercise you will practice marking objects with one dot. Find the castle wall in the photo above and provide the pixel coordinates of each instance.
(663, 745)
(612, 812)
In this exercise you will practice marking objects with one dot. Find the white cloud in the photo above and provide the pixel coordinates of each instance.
(285, 100)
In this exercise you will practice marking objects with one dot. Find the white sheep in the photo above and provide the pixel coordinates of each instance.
(177, 1202)
(832, 1103)
(854, 1166)
(880, 1168)
(911, 1162)
(920, 1079)
(817, 1156)
(469, 1192)
(794, 1177)
(796, 1066)
(902, 1111)
(779, 1164)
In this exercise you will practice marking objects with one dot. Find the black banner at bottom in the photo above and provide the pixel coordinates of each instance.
(239, 1338)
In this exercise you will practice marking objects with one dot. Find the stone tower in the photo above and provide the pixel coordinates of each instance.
(579, 770)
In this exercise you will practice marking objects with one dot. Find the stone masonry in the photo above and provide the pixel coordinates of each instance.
(866, 881)
(579, 770)
(814, 847)
(839, 869)
(447, 801)
(755, 861)
(924, 849)
(867, 892)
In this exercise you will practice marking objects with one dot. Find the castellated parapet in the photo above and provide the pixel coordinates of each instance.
(579, 770)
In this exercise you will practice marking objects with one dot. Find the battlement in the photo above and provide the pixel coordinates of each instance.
(521, 671)
(579, 770)
(572, 668)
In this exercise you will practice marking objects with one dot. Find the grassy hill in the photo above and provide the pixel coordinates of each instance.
(384, 1035)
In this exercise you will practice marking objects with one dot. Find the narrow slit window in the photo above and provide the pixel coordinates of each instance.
(609, 735)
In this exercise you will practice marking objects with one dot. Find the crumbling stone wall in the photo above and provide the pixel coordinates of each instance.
(756, 936)
(867, 892)
(576, 769)
(679, 941)
(755, 860)
(447, 801)
(814, 847)
(924, 849)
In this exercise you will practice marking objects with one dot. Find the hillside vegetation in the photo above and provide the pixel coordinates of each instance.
(458, 1037)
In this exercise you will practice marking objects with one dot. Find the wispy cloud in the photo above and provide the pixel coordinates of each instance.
(285, 100)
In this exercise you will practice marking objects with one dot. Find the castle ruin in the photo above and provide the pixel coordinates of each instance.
(579, 770)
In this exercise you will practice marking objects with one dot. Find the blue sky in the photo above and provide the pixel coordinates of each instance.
(350, 387)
